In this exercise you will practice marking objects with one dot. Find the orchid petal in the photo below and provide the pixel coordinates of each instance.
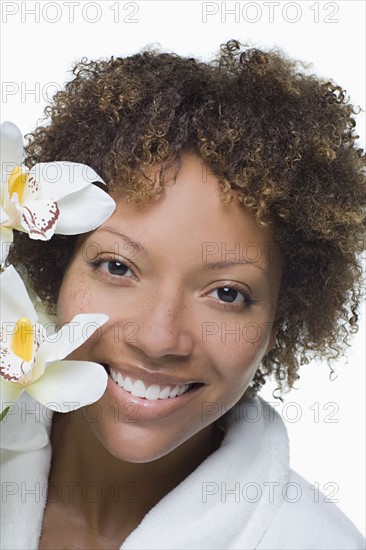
(49, 321)
(9, 393)
(11, 148)
(69, 337)
(69, 385)
(15, 302)
(58, 179)
(39, 219)
(23, 436)
(6, 238)
(3, 216)
(31, 190)
(23, 428)
(11, 209)
(84, 210)
(77, 213)
(13, 367)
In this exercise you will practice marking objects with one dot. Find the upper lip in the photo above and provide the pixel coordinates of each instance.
(149, 376)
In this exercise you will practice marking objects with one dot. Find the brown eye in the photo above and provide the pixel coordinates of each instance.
(115, 268)
(229, 295)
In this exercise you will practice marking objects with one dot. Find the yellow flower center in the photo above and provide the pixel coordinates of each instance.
(16, 183)
(22, 339)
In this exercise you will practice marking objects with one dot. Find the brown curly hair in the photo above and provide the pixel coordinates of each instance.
(282, 139)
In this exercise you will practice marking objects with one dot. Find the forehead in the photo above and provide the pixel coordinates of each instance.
(190, 220)
(194, 197)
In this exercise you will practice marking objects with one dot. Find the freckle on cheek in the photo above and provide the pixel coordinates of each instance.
(74, 301)
(82, 298)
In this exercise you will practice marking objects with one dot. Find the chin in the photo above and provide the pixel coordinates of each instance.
(137, 446)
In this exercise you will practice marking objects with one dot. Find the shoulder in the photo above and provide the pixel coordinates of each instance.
(308, 520)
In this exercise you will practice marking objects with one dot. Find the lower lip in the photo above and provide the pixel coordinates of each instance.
(139, 408)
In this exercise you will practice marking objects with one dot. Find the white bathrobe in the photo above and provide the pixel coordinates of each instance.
(243, 496)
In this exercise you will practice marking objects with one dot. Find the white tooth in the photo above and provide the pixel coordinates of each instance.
(182, 389)
(152, 392)
(164, 394)
(138, 389)
(127, 385)
(174, 391)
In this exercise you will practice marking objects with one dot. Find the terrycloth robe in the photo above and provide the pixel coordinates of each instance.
(243, 496)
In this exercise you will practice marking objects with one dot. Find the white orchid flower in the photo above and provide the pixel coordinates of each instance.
(11, 155)
(33, 362)
(26, 426)
(52, 197)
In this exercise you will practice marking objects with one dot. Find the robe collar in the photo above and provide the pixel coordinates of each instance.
(228, 501)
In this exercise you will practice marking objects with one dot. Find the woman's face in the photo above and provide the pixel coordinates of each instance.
(190, 285)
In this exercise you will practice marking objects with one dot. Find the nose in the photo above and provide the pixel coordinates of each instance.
(164, 327)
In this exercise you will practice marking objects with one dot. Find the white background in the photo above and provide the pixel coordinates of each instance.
(42, 40)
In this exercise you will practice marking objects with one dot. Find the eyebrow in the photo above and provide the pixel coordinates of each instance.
(231, 263)
(129, 241)
(207, 266)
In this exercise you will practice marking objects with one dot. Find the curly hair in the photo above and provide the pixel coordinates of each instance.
(281, 139)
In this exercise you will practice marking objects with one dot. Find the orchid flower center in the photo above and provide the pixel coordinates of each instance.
(17, 182)
(22, 339)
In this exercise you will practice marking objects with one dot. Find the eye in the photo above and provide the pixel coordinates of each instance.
(115, 268)
(118, 268)
(112, 267)
(229, 295)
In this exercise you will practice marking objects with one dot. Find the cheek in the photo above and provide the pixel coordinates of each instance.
(74, 297)
(242, 365)
(235, 364)
(240, 350)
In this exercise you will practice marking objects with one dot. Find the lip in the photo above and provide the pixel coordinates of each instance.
(132, 409)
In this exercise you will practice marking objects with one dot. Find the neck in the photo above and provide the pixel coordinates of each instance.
(105, 489)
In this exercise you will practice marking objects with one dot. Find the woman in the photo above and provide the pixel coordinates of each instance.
(232, 255)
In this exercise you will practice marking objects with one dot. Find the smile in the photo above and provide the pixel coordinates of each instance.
(152, 392)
